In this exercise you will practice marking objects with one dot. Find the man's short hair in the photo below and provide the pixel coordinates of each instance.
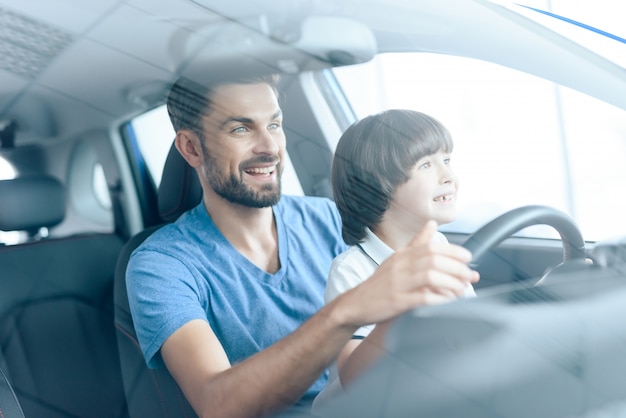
(373, 157)
(189, 101)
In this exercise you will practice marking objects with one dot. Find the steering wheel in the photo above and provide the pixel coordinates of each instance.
(505, 225)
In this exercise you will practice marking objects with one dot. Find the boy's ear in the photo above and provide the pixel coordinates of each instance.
(188, 144)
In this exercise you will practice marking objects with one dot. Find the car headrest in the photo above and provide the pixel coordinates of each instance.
(180, 188)
(30, 203)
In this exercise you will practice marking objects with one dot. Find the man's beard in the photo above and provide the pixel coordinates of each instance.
(233, 188)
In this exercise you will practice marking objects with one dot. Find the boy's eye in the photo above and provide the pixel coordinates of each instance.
(446, 161)
(424, 165)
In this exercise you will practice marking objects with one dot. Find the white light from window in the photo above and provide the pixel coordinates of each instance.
(7, 171)
(100, 187)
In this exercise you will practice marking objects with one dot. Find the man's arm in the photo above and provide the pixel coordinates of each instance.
(264, 383)
(276, 377)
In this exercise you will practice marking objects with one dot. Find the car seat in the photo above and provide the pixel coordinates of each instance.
(153, 393)
(9, 404)
(56, 313)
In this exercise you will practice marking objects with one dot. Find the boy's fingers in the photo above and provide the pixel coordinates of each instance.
(459, 252)
(426, 234)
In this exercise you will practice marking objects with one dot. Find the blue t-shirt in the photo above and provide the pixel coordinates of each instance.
(188, 270)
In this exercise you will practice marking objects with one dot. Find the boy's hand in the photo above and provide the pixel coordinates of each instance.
(422, 273)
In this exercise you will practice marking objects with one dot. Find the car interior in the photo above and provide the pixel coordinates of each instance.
(179, 191)
(9, 404)
(88, 171)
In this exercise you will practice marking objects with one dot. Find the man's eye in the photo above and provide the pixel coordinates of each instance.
(273, 126)
(240, 130)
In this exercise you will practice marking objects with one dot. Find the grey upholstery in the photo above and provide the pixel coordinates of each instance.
(180, 188)
(153, 393)
(30, 203)
(56, 313)
(9, 404)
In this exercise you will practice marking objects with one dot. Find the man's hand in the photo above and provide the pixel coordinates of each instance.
(422, 273)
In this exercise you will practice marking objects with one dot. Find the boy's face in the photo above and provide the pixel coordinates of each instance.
(430, 192)
(244, 144)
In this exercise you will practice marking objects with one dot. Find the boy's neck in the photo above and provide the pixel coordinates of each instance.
(398, 229)
(393, 235)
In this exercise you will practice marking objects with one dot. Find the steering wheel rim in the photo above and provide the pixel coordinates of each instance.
(505, 225)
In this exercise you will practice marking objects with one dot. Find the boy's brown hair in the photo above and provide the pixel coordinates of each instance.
(373, 157)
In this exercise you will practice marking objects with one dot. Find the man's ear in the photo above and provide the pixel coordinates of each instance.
(188, 144)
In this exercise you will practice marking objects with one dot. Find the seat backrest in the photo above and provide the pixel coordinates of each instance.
(9, 404)
(31, 203)
(56, 312)
(153, 393)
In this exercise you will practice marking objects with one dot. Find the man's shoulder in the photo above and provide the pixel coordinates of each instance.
(320, 210)
(311, 202)
(316, 215)
(309, 205)
(163, 241)
(173, 235)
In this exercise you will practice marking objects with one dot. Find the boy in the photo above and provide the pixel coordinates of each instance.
(391, 178)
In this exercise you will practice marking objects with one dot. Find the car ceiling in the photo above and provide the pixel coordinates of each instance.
(93, 63)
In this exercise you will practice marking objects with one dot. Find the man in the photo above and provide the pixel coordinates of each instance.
(230, 297)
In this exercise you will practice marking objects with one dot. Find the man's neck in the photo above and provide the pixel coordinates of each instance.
(252, 231)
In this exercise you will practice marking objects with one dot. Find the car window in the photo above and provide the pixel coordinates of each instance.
(154, 135)
(595, 25)
(100, 187)
(519, 139)
(6, 170)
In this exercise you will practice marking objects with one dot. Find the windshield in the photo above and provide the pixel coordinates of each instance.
(597, 25)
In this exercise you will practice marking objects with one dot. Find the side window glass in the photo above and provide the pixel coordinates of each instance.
(154, 134)
(519, 139)
(7, 172)
(100, 187)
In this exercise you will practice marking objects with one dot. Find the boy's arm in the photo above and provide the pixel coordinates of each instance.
(358, 354)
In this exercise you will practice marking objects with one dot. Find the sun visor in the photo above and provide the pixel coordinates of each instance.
(247, 48)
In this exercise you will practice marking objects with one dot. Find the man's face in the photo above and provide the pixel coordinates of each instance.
(244, 144)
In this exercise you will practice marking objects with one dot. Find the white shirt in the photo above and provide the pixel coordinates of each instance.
(357, 263)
